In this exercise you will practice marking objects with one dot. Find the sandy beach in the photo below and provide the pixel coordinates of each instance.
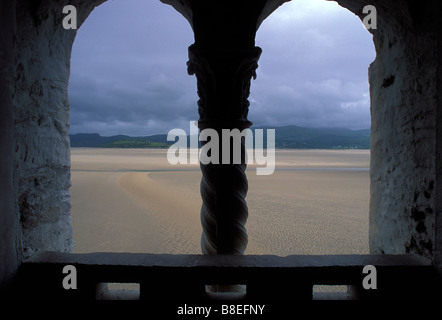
(133, 200)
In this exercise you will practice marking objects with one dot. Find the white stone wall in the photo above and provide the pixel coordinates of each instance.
(404, 103)
(403, 150)
(42, 123)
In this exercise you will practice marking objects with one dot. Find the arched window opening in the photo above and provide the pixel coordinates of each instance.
(128, 76)
(313, 87)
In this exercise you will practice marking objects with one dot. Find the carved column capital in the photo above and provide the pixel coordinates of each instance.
(223, 79)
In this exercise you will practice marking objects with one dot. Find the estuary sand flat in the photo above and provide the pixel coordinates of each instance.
(133, 200)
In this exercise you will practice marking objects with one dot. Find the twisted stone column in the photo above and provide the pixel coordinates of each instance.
(223, 81)
(224, 210)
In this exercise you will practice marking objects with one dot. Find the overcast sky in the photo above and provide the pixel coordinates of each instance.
(129, 74)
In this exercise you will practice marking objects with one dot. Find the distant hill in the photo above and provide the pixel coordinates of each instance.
(294, 137)
(94, 140)
(135, 143)
(286, 137)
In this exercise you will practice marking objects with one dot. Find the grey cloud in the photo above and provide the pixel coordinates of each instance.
(314, 68)
(128, 69)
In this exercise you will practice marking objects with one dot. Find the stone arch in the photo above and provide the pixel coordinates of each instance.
(405, 205)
